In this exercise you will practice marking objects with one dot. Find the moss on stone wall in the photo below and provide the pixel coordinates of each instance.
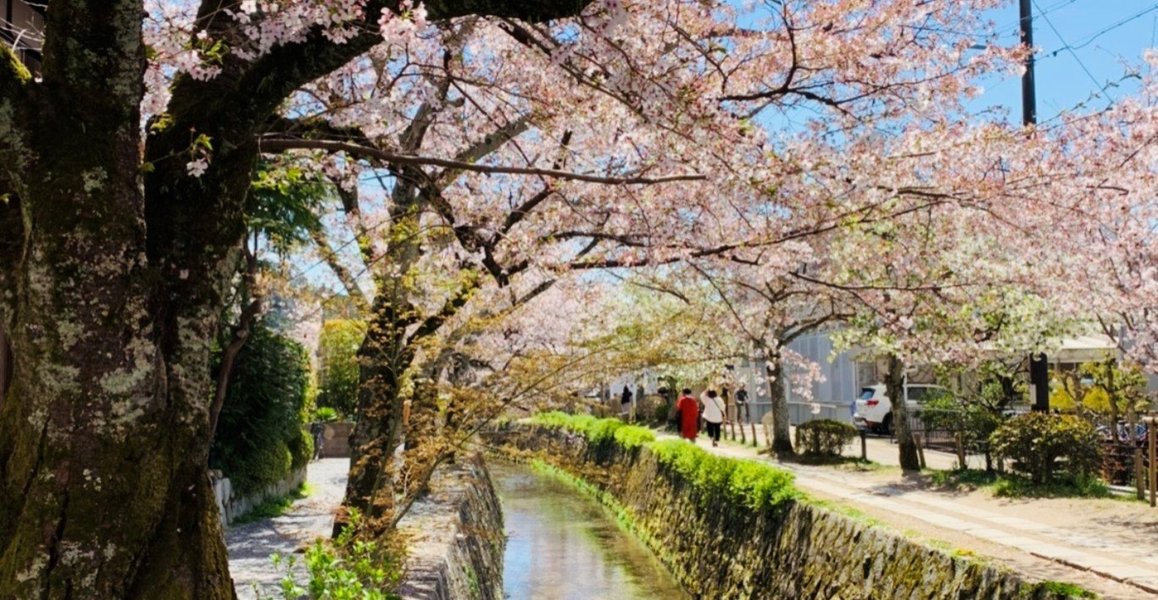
(727, 528)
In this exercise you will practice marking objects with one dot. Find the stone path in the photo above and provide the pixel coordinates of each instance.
(251, 545)
(1114, 568)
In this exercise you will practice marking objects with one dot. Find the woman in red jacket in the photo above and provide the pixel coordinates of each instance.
(689, 411)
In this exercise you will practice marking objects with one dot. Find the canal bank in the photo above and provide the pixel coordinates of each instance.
(563, 544)
(738, 529)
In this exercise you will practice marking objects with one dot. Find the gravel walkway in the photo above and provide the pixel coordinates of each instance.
(252, 544)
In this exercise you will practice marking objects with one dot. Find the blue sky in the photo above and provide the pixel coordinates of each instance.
(1099, 34)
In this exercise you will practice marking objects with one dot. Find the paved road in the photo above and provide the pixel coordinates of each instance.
(251, 545)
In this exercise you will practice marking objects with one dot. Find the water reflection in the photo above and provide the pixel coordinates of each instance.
(565, 545)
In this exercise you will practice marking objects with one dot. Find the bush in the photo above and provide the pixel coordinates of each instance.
(659, 416)
(823, 437)
(338, 364)
(971, 419)
(753, 484)
(1041, 444)
(259, 436)
(353, 569)
(325, 414)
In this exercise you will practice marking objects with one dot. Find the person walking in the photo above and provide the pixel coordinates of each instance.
(713, 415)
(743, 414)
(689, 415)
(625, 401)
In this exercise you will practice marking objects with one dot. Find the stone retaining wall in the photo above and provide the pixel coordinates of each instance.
(456, 538)
(718, 549)
(232, 506)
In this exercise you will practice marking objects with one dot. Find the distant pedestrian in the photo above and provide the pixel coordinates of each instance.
(689, 415)
(743, 413)
(713, 415)
(625, 397)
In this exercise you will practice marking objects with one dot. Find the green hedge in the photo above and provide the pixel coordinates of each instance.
(339, 371)
(753, 484)
(823, 437)
(1041, 445)
(260, 437)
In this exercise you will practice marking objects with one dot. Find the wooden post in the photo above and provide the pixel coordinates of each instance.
(1139, 474)
(920, 449)
(863, 445)
(1152, 428)
(961, 450)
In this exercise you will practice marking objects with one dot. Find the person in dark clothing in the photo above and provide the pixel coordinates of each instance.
(713, 414)
(625, 398)
(743, 413)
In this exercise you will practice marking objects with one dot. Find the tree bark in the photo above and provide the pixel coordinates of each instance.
(895, 390)
(104, 432)
(112, 278)
(781, 425)
(5, 365)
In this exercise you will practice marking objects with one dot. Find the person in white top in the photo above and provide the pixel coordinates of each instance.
(713, 414)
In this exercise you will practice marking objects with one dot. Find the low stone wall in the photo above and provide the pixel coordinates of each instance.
(455, 537)
(718, 549)
(335, 440)
(232, 506)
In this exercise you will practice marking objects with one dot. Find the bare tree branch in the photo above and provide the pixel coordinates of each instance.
(357, 296)
(279, 145)
(249, 313)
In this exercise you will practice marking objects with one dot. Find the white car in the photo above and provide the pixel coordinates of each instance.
(874, 411)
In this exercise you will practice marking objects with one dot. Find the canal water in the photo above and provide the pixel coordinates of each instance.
(564, 545)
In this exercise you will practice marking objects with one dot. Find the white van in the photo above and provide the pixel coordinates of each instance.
(874, 411)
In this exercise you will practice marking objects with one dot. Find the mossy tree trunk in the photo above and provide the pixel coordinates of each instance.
(113, 268)
(781, 425)
(895, 390)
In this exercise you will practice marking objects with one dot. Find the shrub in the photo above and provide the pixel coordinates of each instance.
(350, 568)
(1040, 444)
(753, 484)
(597, 431)
(823, 437)
(661, 413)
(325, 414)
(974, 421)
(259, 436)
(338, 368)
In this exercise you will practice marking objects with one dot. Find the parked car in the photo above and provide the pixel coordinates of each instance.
(874, 410)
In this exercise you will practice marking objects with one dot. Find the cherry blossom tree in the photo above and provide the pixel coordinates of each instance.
(124, 215)
(118, 241)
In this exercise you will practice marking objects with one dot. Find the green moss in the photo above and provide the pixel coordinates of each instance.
(275, 507)
(753, 484)
(1064, 590)
(1016, 486)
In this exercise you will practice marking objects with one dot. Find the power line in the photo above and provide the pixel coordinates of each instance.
(1099, 34)
(1101, 88)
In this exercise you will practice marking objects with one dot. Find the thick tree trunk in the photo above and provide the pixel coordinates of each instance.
(110, 306)
(895, 390)
(104, 436)
(376, 434)
(5, 365)
(781, 425)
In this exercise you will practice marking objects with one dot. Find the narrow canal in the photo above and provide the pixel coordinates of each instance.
(563, 544)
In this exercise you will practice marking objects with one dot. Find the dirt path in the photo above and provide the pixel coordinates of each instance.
(1106, 545)
(252, 544)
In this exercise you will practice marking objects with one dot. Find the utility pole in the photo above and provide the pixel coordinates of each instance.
(1038, 363)
(1028, 91)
